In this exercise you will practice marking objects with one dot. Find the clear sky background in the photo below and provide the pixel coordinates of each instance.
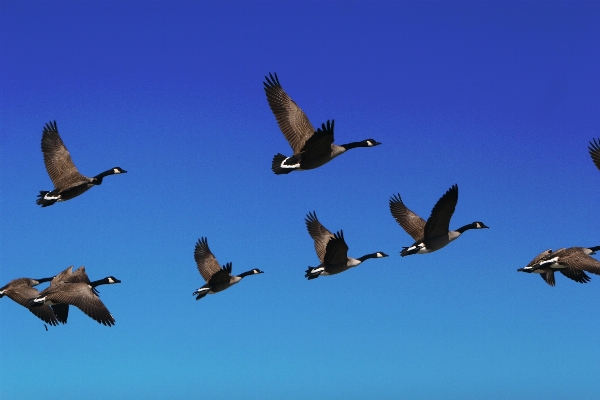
(500, 98)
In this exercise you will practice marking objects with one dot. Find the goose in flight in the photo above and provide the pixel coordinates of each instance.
(74, 288)
(22, 291)
(332, 250)
(312, 148)
(217, 278)
(434, 234)
(571, 262)
(68, 182)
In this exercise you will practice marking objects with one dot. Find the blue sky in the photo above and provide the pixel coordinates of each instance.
(500, 98)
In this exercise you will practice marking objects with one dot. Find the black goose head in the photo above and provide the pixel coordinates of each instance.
(251, 272)
(97, 180)
(379, 254)
(109, 280)
(473, 225)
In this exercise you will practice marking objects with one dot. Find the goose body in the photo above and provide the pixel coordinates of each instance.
(68, 182)
(434, 234)
(332, 250)
(22, 291)
(217, 278)
(312, 148)
(594, 149)
(572, 262)
(75, 288)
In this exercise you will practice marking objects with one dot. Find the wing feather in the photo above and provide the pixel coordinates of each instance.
(438, 222)
(205, 260)
(291, 119)
(319, 233)
(57, 159)
(408, 220)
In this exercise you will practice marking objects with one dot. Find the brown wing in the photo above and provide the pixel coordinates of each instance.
(594, 149)
(575, 274)
(205, 260)
(548, 276)
(438, 222)
(337, 250)
(81, 296)
(23, 295)
(576, 258)
(319, 233)
(62, 276)
(58, 161)
(79, 275)
(408, 220)
(291, 119)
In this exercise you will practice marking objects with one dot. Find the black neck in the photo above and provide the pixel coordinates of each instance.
(98, 178)
(243, 274)
(99, 282)
(44, 280)
(353, 145)
(367, 256)
(466, 227)
(594, 249)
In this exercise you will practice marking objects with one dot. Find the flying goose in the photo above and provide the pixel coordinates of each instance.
(74, 288)
(21, 290)
(217, 278)
(312, 148)
(571, 262)
(434, 234)
(331, 249)
(69, 276)
(594, 149)
(67, 180)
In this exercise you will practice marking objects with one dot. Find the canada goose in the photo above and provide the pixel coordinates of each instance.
(312, 148)
(21, 290)
(571, 262)
(434, 234)
(67, 180)
(69, 276)
(594, 149)
(217, 278)
(79, 294)
(331, 249)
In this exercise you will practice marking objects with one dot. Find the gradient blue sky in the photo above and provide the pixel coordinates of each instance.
(500, 98)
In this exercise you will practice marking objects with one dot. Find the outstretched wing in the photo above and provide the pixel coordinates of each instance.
(575, 274)
(57, 159)
(205, 260)
(337, 250)
(408, 220)
(438, 222)
(291, 119)
(81, 296)
(319, 233)
(24, 295)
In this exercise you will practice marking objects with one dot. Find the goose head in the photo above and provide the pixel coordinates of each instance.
(370, 142)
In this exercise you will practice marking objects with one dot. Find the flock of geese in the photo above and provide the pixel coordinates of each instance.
(312, 148)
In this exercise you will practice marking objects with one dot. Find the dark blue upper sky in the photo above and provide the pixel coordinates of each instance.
(500, 98)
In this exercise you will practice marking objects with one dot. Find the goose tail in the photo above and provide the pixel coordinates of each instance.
(277, 163)
(44, 200)
(312, 273)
